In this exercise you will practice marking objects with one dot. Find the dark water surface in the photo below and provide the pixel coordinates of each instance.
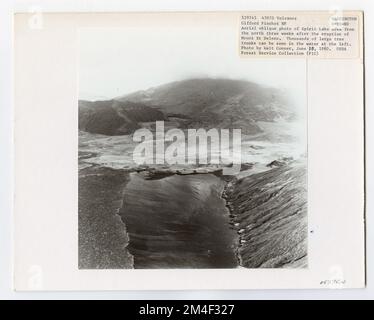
(178, 222)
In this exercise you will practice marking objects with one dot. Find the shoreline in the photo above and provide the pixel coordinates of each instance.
(231, 223)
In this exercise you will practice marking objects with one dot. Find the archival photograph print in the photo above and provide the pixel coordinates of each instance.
(189, 155)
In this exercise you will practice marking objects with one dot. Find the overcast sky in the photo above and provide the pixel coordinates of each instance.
(114, 62)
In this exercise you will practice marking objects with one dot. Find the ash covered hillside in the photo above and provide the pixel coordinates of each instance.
(112, 117)
(269, 211)
(194, 103)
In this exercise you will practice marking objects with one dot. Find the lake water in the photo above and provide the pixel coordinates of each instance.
(179, 221)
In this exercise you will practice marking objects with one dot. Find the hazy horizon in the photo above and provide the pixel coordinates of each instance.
(119, 61)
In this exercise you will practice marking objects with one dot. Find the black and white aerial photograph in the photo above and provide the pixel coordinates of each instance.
(189, 156)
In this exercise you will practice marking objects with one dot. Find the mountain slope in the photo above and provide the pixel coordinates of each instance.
(194, 103)
(217, 103)
(269, 210)
(193, 96)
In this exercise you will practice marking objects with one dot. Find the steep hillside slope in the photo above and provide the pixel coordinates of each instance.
(269, 211)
